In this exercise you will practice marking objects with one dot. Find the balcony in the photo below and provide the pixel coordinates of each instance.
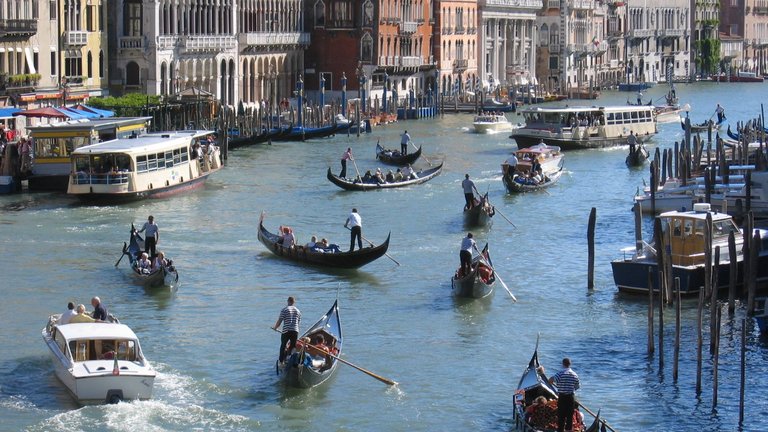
(668, 33)
(274, 39)
(76, 38)
(554, 48)
(131, 42)
(460, 65)
(408, 27)
(167, 42)
(447, 31)
(209, 43)
(760, 10)
(525, 4)
(459, 30)
(583, 4)
(18, 27)
(411, 61)
(642, 33)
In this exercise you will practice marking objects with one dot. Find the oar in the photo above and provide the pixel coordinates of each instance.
(506, 218)
(365, 371)
(125, 247)
(356, 170)
(595, 415)
(496, 274)
(425, 158)
(372, 245)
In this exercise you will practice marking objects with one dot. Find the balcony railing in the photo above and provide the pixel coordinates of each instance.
(274, 39)
(760, 10)
(23, 27)
(76, 38)
(642, 33)
(132, 42)
(460, 65)
(408, 27)
(528, 4)
(582, 4)
(209, 43)
(411, 61)
(554, 48)
(671, 32)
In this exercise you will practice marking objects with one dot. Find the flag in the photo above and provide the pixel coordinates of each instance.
(116, 367)
(595, 41)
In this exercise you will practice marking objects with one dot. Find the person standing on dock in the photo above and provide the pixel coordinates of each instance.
(567, 382)
(152, 236)
(405, 138)
(344, 158)
(290, 317)
(355, 224)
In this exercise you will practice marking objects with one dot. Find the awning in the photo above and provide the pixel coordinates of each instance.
(100, 112)
(76, 114)
(30, 60)
(8, 112)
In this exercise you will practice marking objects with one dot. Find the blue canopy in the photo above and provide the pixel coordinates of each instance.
(8, 112)
(75, 114)
(99, 111)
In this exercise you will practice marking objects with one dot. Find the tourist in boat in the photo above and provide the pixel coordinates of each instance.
(160, 261)
(540, 414)
(81, 316)
(287, 239)
(535, 166)
(510, 165)
(379, 177)
(312, 243)
(469, 192)
(355, 224)
(399, 175)
(152, 237)
(405, 138)
(408, 173)
(99, 310)
(720, 113)
(144, 264)
(290, 317)
(68, 314)
(465, 254)
(368, 177)
(324, 246)
(390, 178)
(567, 382)
(344, 158)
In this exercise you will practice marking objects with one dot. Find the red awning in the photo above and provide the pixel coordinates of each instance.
(45, 112)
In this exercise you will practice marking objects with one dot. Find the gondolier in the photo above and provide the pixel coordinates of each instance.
(404, 140)
(290, 317)
(465, 254)
(632, 141)
(567, 382)
(152, 236)
(355, 224)
(344, 158)
(469, 192)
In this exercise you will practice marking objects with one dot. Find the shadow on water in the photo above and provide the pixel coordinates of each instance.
(37, 201)
(356, 275)
(32, 380)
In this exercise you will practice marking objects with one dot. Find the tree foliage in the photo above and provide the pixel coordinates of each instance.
(130, 105)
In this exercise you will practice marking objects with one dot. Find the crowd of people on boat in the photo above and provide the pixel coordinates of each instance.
(378, 177)
(78, 314)
(288, 240)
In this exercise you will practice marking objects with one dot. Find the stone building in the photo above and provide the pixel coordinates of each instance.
(456, 42)
(658, 40)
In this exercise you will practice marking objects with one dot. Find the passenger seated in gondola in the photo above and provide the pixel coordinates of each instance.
(159, 261)
(399, 175)
(540, 414)
(144, 265)
(329, 248)
(368, 177)
(484, 272)
(408, 173)
(390, 177)
(379, 177)
(312, 243)
(287, 239)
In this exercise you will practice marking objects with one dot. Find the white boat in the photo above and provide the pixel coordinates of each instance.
(151, 165)
(99, 362)
(581, 127)
(492, 123)
(522, 180)
(670, 113)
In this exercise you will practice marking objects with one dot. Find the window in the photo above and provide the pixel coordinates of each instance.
(366, 48)
(544, 35)
(368, 14)
(53, 62)
(89, 18)
(52, 9)
(342, 14)
(132, 18)
(320, 14)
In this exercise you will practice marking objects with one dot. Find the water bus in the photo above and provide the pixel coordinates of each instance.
(582, 127)
(151, 165)
(54, 143)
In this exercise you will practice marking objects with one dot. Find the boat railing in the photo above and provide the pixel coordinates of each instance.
(82, 178)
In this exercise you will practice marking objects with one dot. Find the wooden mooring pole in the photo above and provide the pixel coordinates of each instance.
(651, 347)
(733, 273)
(716, 361)
(678, 329)
(591, 249)
(699, 340)
(743, 379)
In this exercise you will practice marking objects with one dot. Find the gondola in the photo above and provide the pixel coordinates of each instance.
(301, 133)
(638, 157)
(166, 276)
(260, 138)
(533, 384)
(518, 179)
(517, 184)
(480, 214)
(344, 260)
(478, 283)
(393, 157)
(308, 366)
(703, 127)
(354, 185)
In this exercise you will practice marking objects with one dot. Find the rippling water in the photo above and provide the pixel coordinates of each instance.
(457, 362)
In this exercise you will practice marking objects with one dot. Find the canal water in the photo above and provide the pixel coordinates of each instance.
(457, 362)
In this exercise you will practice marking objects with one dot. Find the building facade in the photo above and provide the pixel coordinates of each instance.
(755, 34)
(456, 42)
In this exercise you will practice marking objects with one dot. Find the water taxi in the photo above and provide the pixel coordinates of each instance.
(151, 165)
(582, 127)
(521, 177)
(99, 362)
(492, 123)
(54, 143)
(686, 230)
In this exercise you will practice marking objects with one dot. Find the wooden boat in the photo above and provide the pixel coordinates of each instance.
(260, 138)
(355, 185)
(492, 123)
(704, 126)
(166, 276)
(740, 77)
(480, 214)
(581, 127)
(393, 157)
(99, 362)
(478, 283)
(637, 157)
(520, 179)
(307, 366)
(346, 260)
(534, 383)
(686, 232)
(153, 165)
(301, 133)
(669, 113)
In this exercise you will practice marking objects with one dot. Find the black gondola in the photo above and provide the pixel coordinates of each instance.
(393, 157)
(703, 127)
(307, 366)
(166, 276)
(533, 384)
(637, 157)
(480, 214)
(353, 185)
(301, 133)
(260, 138)
(478, 283)
(301, 254)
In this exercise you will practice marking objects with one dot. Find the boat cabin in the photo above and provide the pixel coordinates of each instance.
(687, 230)
(96, 341)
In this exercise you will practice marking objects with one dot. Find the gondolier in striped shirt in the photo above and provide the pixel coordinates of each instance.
(290, 316)
(567, 382)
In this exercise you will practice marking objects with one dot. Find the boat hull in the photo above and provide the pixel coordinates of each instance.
(565, 143)
(295, 374)
(161, 192)
(517, 187)
(424, 176)
(476, 217)
(471, 286)
(396, 160)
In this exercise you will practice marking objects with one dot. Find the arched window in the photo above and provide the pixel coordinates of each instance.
(101, 64)
(554, 35)
(163, 79)
(320, 14)
(368, 14)
(366, 48)
(544, 35)
(89, 65)
(132, 77)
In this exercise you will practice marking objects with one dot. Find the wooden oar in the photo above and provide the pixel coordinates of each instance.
(372, 245)
(594, 415)
(125, 248)
(506, 218)
(425, 158)
(365, 371)
(496, 275)
(356, 170)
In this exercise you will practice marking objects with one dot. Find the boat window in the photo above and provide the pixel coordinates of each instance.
(175, 156)
(723, 229)
(687, 227)
(82, 165)
(123, 162)
(57, 147)
(635, 116)
(184, 154)
(141, 163)
(676, 228)
(60, 341)
(79, 350)
(160, 157)
(126, 350)
(152, 162)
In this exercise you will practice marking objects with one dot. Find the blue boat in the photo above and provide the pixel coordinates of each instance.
(301, 133)
(635, 86)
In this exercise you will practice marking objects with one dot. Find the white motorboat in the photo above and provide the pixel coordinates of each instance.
(521, 179)
(669, 113)
(492, 123)
(99, 362)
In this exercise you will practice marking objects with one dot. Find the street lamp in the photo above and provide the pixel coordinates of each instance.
(360, 73)
(272, 74)
(299, 96)
(344, 94)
